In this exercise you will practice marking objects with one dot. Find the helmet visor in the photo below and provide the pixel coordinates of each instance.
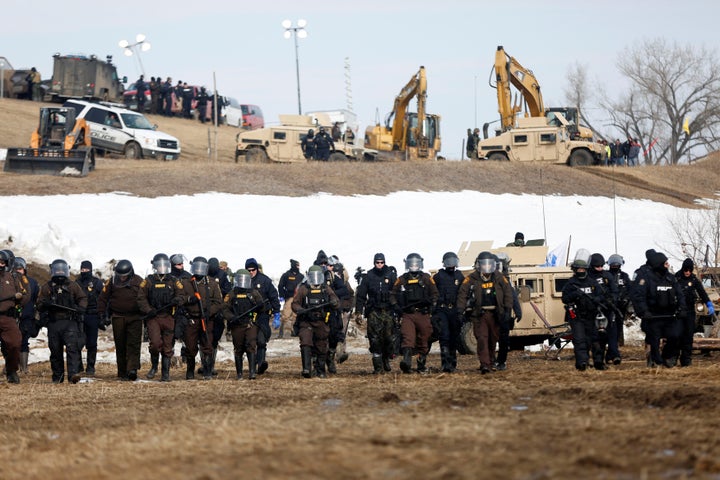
(243, 280)
(161, 266)
(199, 268)
(485, 265)
(316, 277)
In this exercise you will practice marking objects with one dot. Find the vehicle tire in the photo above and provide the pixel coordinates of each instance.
(497, 157)
(337, 157)
(133, 151)
(468, 343)
(256, 155)
(580, 158)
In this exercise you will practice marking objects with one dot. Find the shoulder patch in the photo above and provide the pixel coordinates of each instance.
(143, 283)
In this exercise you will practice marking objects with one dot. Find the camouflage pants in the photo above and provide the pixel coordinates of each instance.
(381, 332)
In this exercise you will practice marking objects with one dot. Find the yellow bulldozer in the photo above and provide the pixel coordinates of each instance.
(60, 146)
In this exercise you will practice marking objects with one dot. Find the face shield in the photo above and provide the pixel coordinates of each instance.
(414, 264)
(315, 277)
(486, 266)
(199, 268)
(60, 270)
(161, 266)
(243, 280)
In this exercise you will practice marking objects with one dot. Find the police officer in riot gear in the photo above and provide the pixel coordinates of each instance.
(622, 279)
(323, 145)
(313, 303)
(159, 297)
(118, 304)
(308, 145)
(694, 293)
(413, 297)
(502, 262)
(62, 304)
(240, 310)
(92, 286)
(448, 280)
(581, 296)
(372, 302)
(487, 298)
(27, 324)
(658, 299)
(13, 297)
(607, 334)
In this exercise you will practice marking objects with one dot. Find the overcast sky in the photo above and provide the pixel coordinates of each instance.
(385, 42)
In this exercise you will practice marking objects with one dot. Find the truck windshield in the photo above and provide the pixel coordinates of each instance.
(133, 120)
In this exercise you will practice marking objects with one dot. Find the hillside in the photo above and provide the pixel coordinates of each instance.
(194, 172)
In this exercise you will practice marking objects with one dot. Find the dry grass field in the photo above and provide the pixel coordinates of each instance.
(540, 419)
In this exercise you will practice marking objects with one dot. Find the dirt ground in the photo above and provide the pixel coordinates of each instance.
(540, 419)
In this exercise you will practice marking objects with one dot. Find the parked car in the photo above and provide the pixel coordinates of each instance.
(119, 130)
(239, 115)
(130, 98)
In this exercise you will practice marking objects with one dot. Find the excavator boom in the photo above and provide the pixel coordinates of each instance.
(508, 71)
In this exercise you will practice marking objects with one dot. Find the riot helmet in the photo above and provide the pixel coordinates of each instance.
(59, 271)
(20, 263)
(413, 263)
(177, 259)
(8, 257)
(503, 262)
(616, 260)
(581, 263)
(450, 260)
(485, 263)
(123, 271)
(213, 267)
(242, 279)
(199, 267)
(310, 133)
(597, 260)
(315, 275)
(161, 264)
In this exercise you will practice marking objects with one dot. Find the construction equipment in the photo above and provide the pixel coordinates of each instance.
(406, 135)
(508, 71)
(59, 146)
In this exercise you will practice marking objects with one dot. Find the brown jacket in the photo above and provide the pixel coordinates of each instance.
(10, 284)
(77, 294)
(211, 297)
(503, 293)
(120, 299)
(154, 283)
(404, 282)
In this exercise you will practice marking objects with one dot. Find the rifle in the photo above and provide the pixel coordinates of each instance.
(11, 297)
(157, 310)
(203, 319)
(316, 307)
(249, 311)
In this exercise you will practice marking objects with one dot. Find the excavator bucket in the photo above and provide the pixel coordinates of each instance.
(43, 161)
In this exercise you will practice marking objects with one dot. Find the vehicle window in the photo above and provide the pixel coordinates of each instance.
(279, 135)
(78, 108)
(133, 120)
(560, 284)
(520, 139)
(535, 284)
(96, 115)
(244, 109)
(548, 138)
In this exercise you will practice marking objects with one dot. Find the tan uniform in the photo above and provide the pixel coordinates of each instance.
(10, 285)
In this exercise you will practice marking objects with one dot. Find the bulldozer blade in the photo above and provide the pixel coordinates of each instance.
(42, 161)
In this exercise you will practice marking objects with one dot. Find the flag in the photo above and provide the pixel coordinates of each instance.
(686, 126)
(558, 255)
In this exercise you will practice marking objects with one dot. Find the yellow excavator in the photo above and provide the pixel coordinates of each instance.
(508, 71)
(61, 145)
(406, 135)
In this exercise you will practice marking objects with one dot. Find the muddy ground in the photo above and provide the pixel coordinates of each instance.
(540, 419)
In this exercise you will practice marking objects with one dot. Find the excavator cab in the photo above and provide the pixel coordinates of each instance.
(60, 146)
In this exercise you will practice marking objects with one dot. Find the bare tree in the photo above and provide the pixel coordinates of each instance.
(697, 235)
(669, 84)
(578, 92)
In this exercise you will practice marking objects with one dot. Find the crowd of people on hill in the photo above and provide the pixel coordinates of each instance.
(160, 97)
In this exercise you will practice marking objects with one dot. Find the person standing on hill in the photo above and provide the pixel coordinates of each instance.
(308, 145)
(159, 296)
(140, 89)
(188, 95)
(92, 286)
(413, 297)
(202, 103)
(323, 145)
(118, 304)
(372, 302)
(694, 292)
(62, 303)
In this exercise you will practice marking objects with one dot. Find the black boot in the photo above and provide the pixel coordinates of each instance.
(24, 361)
(445, 360)
(377, 362)
(201, 369)
(13, 377)
(320, 366)
(154, 357)
(165, 375)
(406, 362)
(421, 360)
(262, 365)
(239, 365)
(190, 373)
(252, 366)
(386, 363)
(207, 367)
(306, 357)
(91, 356)
(331, 367)
(214, 357)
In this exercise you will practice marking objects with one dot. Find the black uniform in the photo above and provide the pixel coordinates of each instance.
(323, 145)
(445, 319)
(581, 297)
(92, 287)
(265, 287)
(308, 146)
(372, 300)
(607, 334)
(693, 291)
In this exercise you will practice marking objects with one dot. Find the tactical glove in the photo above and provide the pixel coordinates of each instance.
(276, 320)
(711, 308)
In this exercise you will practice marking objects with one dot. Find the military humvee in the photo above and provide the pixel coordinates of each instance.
(539, 289)
(282, 143)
